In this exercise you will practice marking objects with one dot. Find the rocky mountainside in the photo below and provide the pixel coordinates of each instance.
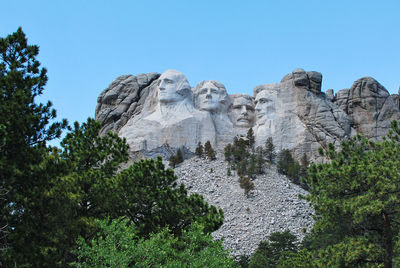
(273, 205)
(158, 111)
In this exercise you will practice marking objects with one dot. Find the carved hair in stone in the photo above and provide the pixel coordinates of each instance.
(242, 110)
(211, 96)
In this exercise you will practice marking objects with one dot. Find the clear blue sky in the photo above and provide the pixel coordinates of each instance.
(85, 44)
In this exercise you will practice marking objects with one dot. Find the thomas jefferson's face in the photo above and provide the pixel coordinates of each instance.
(243, 111)
(265, 105)
(168, 86)
(209, 97)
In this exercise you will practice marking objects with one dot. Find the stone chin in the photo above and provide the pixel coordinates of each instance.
(261, 120)
(243, 122)
(169, 98)
(211, 106)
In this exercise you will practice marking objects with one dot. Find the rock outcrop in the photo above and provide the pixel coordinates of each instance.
(152, 111)
(298, 116)
(157, 114)
(370, 107)
(122, 100)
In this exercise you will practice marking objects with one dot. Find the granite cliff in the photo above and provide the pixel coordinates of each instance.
(158, 113)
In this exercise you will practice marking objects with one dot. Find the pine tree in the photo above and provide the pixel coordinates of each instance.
(250, 138)
(209, 151)
(304, 164)
(259, 160)
(252, 169)
(270, 153)
(25, 127)
(356, 196)
(285, 160)
(179, 156)
(228, 152)
(148, 194)
(199, 150)
(172, 161)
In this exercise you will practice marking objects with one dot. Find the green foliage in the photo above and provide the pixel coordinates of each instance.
(149, 196)
(199, 150)
(269, 151)
(228, 152)
(239, 150)
(118, 246)
(176, 159)
(288, 166)
(228, 172)
(211, 154)
(356, 197)
(179, 156)
(172, 161)
(243, 261)
(271, 253)
(299, 259)
(259, 160)
(75, 192)
(24, 130)
(245, 162)
(250, 137)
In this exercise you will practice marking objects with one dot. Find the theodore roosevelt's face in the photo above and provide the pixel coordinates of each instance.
(168, 86)
(209, 97)
(265, 105)
(242, 111)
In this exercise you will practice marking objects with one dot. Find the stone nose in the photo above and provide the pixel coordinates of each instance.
(162, 86)
(208, 95)
(243, 110)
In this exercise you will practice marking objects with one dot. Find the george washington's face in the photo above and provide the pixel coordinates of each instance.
(171, 85)
(243, 111)
(210, 97)
(265, 105)
(167, 88)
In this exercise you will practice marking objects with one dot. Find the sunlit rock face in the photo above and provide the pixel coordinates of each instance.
(277, 118)
(370, 107)
(169, 117)
(159, 113)
(298, 116)
(242, 110)
(211, 96)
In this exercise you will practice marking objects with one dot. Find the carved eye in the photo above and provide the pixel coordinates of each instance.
(236, 107)
(203, 91)
(168, 81)
(214, 91)
(249, 108)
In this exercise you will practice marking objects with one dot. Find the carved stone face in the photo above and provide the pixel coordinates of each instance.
(265, 104)
(243, 111)
(172, 87)
(209, 97)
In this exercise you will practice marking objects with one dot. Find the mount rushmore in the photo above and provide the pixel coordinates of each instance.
(160, 112)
